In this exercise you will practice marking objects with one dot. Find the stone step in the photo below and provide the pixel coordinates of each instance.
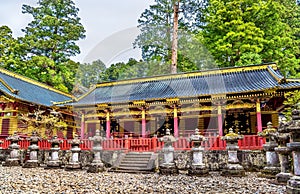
(131, 168)
(137, 158)
(139, 153)
(130, 164)
(135, 161)
(131, 171)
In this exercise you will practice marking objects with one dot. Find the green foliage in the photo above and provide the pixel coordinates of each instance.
(54, 30)
(89, 74)
(292, 100)
(11, 50)
(45, 70)
(242, 32)
(118, 71)
(155, 40)
(43, 54)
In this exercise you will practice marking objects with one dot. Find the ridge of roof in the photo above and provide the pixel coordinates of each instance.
(14, 91)
(31, 81)
(215, 71)
(264, 66)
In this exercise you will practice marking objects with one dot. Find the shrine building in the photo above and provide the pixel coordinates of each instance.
(22, 96)
(242, 98)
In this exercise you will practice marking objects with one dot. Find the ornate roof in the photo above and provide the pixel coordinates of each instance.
(25, 89)
(236, 80)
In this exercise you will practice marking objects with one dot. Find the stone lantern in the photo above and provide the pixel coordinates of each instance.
(33, 151)
(54, 161)
(293, 185)
(97, 164)
(197, 167)
(282, 137)
(273, 165)
(2, 155)
(74, 162)
(168, 166)
(233, 167)
(14, 156)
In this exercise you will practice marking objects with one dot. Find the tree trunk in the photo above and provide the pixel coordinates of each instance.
(175, 38)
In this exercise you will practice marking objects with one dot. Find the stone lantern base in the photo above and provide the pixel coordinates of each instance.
(233, 170)
(198, 170)
(269, 172)
(293, 185)
(53, 164)
(168, 168)
(73, 166)
(96, 167)
(31, 164)
(12, 162)
(282, 178)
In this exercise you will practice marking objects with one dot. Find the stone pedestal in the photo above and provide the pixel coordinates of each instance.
(282, 137)
(197, 167)
(168, 166)
(97, 164)
(273, 165)
(233, 167)
(293, 185)
(54, 161)
(33, 152)
(284, 175)
(74, 163)
(14, 155)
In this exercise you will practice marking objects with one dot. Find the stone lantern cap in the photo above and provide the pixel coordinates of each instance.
(34, 137)
(282, 128)
(75, 141)
(268, 131)
(197, 137)
(14, 138)
(294, 126)
(168, 138)
(97, 138)
(55, 140)
(232, 137)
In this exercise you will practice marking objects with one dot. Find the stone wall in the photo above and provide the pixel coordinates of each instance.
(251, 160)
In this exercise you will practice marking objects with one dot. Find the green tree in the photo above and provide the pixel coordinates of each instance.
(155, 40)
(239, 32)
(11, 50)
(50, 41)
(61, 76)
(89, 74)
(119, 71)
(229, 33)
(292, 100)
(54, 30)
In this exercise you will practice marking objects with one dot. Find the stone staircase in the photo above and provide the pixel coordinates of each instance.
(136, 162)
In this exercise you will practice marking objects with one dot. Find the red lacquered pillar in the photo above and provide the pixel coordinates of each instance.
(143, 122)
(107, 125)
(220, 121)
(175, 121)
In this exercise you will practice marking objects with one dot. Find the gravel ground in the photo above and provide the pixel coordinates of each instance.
(38, 180)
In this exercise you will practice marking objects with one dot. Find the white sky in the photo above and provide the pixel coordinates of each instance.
(110, 26)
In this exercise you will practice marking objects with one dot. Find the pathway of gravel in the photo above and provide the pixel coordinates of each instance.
(38, 180)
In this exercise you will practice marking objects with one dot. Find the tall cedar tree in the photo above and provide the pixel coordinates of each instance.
(155, 40)
(50, 42)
